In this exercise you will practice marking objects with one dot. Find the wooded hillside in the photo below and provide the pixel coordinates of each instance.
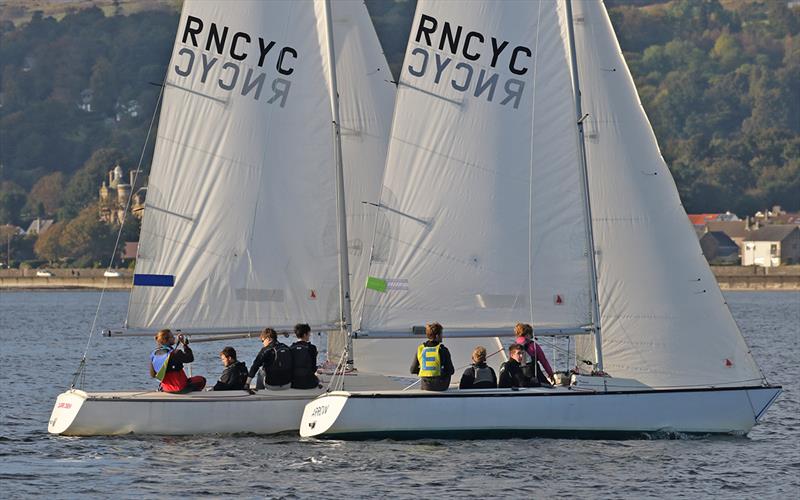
(718, 78)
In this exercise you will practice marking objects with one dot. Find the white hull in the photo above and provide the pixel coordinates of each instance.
(79, 413)
(559, 412)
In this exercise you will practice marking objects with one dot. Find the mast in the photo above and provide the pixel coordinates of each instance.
(346, 322)
(598, 343)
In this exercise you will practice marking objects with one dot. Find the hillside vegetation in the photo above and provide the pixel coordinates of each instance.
(718, 78)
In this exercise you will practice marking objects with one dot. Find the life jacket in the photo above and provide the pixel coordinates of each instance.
(301, 365)
(430, 360)
(483, 375)
(529, 363)
(160, 361)
(283, 358)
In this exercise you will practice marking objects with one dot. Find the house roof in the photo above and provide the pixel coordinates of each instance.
(733, 228)
(774, 232)
(702, 219)
(723, 240)
(39, 226)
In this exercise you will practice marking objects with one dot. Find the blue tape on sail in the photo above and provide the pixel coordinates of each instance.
(153, 280)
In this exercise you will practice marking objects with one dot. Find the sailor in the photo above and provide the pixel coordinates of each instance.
(511, 374)
(304, 359)
(534, 363)
(433, 362)
(479, 375)
(275, 362)
(166, 364)
(235, 373)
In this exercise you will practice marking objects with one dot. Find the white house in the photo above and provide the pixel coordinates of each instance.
(771, 246)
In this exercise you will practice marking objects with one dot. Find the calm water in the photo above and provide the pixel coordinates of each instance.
(43, 335)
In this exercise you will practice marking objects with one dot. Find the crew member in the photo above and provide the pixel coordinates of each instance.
(275, 362)
(304, 359)
(534, 363)
(235, 373)
(511, 374)
(479, 375)
(166, 364)
(433, 362)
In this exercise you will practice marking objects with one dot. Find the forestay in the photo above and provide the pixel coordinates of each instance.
(482, 222)
(664, 319)
(240, 224)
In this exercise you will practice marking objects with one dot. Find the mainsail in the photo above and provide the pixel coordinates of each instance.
(664, 319)
(240, 227)
(482, 222)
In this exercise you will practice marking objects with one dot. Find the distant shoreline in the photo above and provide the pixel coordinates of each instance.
(729, 278)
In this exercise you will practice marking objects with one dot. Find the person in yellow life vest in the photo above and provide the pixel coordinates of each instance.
(432, 361)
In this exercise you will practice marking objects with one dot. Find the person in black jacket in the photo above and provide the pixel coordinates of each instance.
(479, 375)
(432, 362)
(511, 374)
(235, 373)
(304, 359)
(275, 358)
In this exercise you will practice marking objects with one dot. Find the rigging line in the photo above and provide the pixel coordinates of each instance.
(530, 175)
(82, 366)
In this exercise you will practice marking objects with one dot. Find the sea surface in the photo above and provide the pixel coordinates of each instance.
(44, 334)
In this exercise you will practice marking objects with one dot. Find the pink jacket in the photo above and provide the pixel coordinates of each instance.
(537, 354)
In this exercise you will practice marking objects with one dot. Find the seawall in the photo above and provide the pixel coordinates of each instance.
(64, 279)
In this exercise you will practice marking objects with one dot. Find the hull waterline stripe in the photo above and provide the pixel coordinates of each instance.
(153, 280)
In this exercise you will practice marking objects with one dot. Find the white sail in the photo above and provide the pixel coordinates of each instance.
(366, 99)
(239, 229)
(664, 319)
(482, 219)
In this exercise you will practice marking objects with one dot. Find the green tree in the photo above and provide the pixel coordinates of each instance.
(727, 51)
(12, 199)
(83, 187)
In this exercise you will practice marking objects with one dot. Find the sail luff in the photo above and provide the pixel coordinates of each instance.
(587, 207)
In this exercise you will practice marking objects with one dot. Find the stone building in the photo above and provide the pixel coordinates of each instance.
(115, 192)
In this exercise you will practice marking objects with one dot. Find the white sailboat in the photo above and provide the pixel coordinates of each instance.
(244, 217)
(524, 182)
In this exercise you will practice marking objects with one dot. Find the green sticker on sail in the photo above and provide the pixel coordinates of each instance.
(376, 284)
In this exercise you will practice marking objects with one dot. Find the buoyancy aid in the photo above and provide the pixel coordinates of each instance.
(430, 360)
(159, 358)
(483, 375)
(302, 364)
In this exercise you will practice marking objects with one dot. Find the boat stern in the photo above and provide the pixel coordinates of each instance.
(762, 398)
(65, 410)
